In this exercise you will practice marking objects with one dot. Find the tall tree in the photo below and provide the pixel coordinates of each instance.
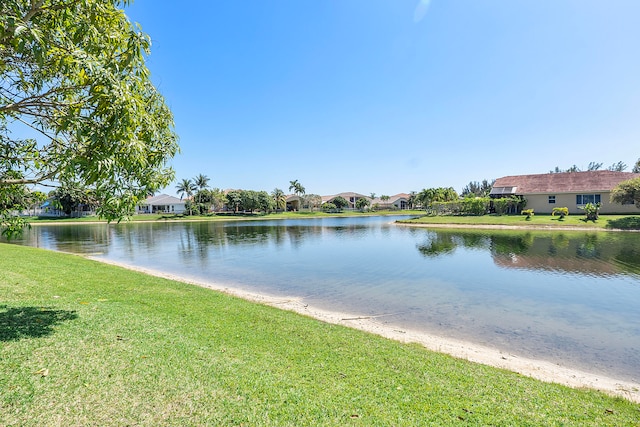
(186, 186)
(279, 198)
(594, 166)
(477, 189)
(202, 183)
(636, 167)
(618, 167)
(340, 202)
(412, 199)
(312, 201)
(74, 72)
(362, 203)
(234, 199)
(298, 189)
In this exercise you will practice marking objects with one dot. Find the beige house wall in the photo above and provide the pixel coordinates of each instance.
(540, 203)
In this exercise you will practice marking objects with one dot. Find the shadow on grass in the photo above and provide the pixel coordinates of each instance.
(30, 322)
(626, 223)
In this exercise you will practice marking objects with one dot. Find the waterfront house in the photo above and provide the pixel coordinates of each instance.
(350, 197)
(572, 190)
(162, 203)
(398, 201)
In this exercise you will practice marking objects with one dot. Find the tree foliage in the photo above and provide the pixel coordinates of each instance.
(340, 202)
(71, 196)
(311, 201)
(362, 203)
(618, 167)
(279, 199)
(77, 103)
(297, 188)
(329, 207)
(186, 187)
(477, 189)
(627, 192)
(249, 201)
(593, 166)
(441, 194)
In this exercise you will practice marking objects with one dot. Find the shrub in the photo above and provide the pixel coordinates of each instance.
(475, 205)
(508, 204)
(591, 211)
(528, 213)
(561, 212)
(329, 207)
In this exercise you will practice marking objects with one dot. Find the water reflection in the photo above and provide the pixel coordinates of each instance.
(599, 254)
(567, 297)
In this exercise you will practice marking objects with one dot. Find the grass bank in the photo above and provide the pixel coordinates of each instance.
(84, 343)
(605, 222)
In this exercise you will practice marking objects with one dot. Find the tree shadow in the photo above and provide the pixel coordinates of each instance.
(626, 223)
(30, 322)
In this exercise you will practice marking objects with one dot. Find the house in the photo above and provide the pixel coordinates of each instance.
(572, 190)
(162, 203)
(399, 201)
(350, 197)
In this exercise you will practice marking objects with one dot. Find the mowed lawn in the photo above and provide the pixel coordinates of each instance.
(605, 222)
(88, 344)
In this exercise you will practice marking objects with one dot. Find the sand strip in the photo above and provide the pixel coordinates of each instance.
(541, 370)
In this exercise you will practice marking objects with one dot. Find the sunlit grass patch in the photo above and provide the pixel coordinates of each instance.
(123, 348)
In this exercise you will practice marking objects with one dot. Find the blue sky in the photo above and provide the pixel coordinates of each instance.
(390, 96)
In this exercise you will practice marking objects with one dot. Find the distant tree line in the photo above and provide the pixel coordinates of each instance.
(594, 166)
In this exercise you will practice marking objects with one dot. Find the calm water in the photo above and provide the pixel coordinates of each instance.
(569, 297)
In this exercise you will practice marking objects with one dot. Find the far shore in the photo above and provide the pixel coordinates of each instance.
(490, 222)
(538, 369)
(510, 227)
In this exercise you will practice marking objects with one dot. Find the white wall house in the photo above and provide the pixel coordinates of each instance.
(162, 203)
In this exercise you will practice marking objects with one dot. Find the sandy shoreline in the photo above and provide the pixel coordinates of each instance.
(541, 370)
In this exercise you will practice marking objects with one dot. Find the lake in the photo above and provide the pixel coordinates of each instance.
(572, 298)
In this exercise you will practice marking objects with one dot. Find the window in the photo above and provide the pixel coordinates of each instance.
(552, 200)
(583, 199)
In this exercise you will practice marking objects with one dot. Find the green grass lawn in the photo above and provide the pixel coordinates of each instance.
(605, 222)
(88, 344)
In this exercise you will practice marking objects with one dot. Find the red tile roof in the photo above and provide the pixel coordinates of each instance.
(567, 182)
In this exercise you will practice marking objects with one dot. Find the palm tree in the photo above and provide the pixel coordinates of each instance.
(201, 182)
(186, 187)
(280, 198)
(412, 199)
(297, 188)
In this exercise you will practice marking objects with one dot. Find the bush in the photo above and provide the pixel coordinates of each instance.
(591, 211)
(475, 205)
(528, 213)
(561, 212)
(329, 207)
